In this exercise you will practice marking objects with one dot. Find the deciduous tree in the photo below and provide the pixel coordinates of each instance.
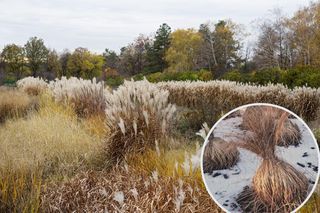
(36, 53)
(182, 54)
(13, 57)
(82, 63)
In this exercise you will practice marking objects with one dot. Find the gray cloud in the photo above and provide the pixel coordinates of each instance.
(97, 24)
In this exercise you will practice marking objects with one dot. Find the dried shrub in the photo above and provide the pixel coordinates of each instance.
(219, 154)
(87, 97)
(14, 103)
(32, 85)
(124, 190)
(137, 113)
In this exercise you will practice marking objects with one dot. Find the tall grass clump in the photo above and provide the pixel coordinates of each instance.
(87, 97)
(32, 85)
(138, 114)
(219, 154)
(14, 103)
(126, 190)
(49, 145)
(276, 185)
(213, 98)
(290, 133)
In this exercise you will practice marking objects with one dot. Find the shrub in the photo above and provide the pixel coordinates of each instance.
(14, 103)
(138, 113)
(85, 96)
(266, 76)
(125, 190)
(114, 81)
(32, 86)
(203, 75)
(233, 75)
(293, 77)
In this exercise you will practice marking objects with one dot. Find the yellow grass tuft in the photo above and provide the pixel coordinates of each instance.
(14, 103)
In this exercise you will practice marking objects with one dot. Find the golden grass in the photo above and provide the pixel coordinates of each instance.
(125, 190)
(96, 126)
(313, 204)
(178, 161)
(48, 145)
(14, 103)
(219, 154)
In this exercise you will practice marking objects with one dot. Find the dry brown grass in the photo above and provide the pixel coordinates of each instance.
(290, 135)
(276, 186)
(250, 202)
(219, 154)
(254, 119)
(279, 185)
(125, 190)
(265, 130)
(14, 103)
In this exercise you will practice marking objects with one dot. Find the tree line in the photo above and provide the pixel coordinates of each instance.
(282, 43)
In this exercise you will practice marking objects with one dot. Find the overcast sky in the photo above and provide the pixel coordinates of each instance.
(100, 24)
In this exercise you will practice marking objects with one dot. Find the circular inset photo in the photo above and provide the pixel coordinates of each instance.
(260, 158)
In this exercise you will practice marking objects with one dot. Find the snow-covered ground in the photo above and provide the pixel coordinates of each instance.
(226, 184)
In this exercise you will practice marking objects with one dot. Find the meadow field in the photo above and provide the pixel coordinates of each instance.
(74, 145)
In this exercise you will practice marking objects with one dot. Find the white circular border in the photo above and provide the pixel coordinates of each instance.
(249, 105)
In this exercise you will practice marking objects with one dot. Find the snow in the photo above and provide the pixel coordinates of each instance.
(225, 185)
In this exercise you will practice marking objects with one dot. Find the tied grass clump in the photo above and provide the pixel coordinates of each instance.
(276, 186)
(14, 103)
(219, 154)
(279, 185)
(288, 135)
(86, 97)
(137, 114)
(32, 86)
